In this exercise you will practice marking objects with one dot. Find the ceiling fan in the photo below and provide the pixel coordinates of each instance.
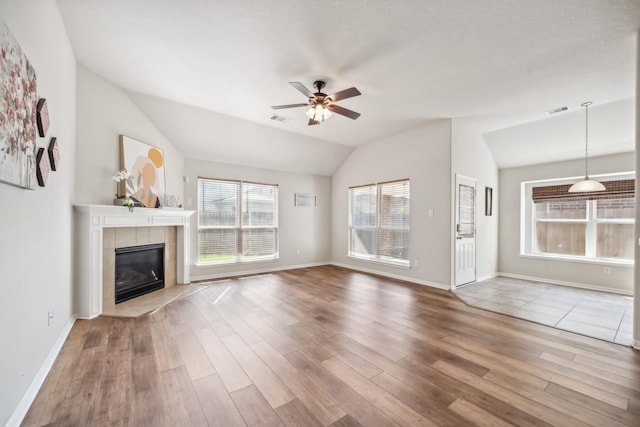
(322, 105)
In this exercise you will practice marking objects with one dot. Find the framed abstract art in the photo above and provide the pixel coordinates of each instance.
(145, 163)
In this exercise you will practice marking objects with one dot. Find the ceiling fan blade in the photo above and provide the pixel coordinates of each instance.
(280, 107)
(313, 122)
(344, 94)
(303, 89)
(344, 111)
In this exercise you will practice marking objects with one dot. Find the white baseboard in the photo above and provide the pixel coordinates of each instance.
(393, 276)
(565, 283)
(252, 272)
(28, 397)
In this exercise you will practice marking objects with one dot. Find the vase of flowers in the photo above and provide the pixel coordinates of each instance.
(122, 199)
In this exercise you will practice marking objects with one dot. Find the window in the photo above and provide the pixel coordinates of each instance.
(561, 227)
(379, 222)
(596, 226)
(237, 221)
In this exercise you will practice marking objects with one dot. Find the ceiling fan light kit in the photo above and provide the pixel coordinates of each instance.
(587, 185)
(322, 105)
(319, 113)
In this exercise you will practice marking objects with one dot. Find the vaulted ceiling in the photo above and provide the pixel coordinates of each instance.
(226, 62)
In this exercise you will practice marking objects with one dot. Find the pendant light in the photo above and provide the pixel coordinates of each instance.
(587, 185)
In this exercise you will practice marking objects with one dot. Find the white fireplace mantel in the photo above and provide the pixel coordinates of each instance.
(89, 224)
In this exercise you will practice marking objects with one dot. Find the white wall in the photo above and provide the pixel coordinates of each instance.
(205, 134)
(304, 229)
(105, 111)
(510, 262)
(636, 275)
(423, 156)
(471, 157)
(35, 226)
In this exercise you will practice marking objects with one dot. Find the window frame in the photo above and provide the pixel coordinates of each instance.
(239, 226)
(376, 257)
(528, 223)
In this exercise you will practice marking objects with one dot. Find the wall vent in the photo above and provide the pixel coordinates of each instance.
(557, 110)
(278, 118)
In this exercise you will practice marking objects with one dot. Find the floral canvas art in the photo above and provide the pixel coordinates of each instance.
(18, 97)
(145, 164)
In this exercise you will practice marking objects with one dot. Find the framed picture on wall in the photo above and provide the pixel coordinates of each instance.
(145, 163)
(488, 201)
(54, 153)
(18, 97)
(42, 166)
(305, 200)
(42, 117)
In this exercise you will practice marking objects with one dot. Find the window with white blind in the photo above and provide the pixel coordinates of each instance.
(237, 221)
(596, 226)
(379, 222)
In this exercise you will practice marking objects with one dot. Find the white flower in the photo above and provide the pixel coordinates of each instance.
(128, 203)
(121, 176)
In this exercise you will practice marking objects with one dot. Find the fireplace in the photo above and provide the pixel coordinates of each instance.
(101, 228)
(139, 270)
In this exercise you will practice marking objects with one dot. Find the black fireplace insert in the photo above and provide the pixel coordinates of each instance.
(139, 270)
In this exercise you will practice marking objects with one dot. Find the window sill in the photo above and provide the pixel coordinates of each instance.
(580, 260)
(382, 262)
(250, 261)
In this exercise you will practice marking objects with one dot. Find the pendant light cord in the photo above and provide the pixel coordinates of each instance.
(586, 139)
(586, 185)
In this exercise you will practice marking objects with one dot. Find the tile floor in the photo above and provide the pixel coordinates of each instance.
(596, 314)
(144, 304)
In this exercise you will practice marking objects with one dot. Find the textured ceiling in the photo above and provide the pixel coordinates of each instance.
(413, 61)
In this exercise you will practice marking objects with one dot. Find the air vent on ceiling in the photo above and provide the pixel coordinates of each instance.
(279, 118)
(557, 110)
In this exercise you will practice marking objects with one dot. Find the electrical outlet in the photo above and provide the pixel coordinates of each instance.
(416, 263)
(298, 252)
(50, 315)
(606, 270)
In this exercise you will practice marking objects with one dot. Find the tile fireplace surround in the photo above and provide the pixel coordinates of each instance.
(90, 222)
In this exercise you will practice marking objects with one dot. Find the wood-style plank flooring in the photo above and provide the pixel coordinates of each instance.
(326, 346)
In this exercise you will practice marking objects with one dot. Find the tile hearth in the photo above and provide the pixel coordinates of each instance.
(151, 302)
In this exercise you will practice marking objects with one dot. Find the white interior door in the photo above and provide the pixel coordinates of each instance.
(465, 244)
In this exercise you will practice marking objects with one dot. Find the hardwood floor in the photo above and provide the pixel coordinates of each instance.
(326, 346)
